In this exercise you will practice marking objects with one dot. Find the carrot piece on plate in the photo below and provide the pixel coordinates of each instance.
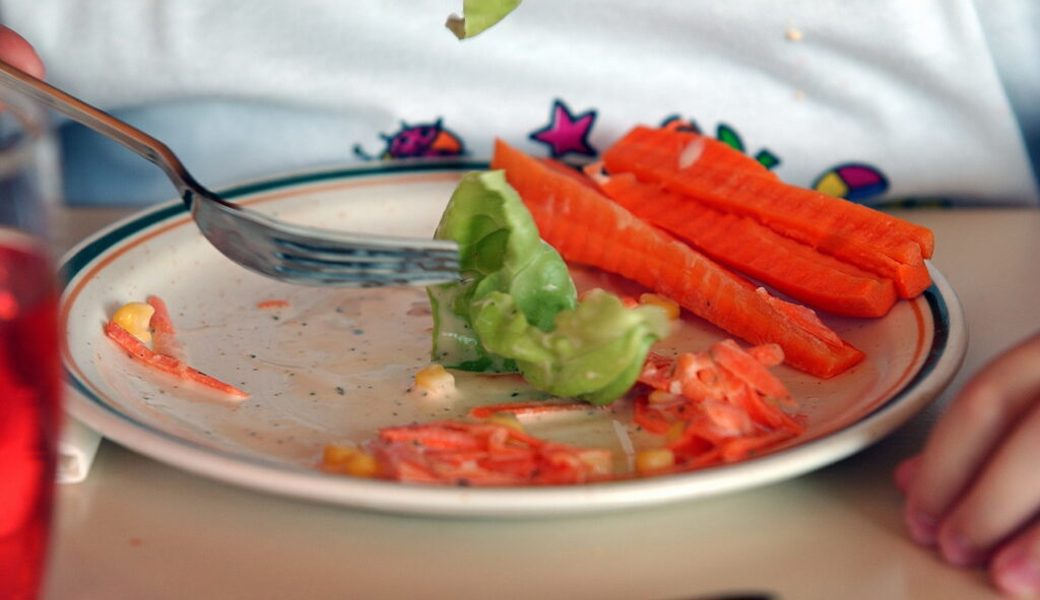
(745, 245)
(587, 227)
(272, 303)
(692, 146)
(168, 364)
(482, 454)
(164, 337)
(161, 321)
(689, 164)
(721, 405)
(527, 409)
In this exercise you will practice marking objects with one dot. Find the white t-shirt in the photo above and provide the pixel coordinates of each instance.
(874, 99)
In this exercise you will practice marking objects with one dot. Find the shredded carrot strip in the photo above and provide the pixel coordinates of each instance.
(161, 321)
(482, 454)
(528, 408)
(272, 303)
(164, 339)
(721, 405)
(163, 330)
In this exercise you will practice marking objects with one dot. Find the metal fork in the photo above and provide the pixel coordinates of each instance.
(283, 251)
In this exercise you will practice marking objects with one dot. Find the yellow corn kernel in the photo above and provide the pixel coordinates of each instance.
(334, 455)
(435, 380)
(654, 460)
(348, 460)
(135, 317)
(671, 307)
(362, 465)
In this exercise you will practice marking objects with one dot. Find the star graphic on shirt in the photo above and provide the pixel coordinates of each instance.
(567, 132)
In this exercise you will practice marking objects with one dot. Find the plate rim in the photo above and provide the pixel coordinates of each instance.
(943, 360)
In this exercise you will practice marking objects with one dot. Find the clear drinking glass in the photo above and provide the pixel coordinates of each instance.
(30, 379)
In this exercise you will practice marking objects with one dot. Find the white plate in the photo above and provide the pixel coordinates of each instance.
(336, 364)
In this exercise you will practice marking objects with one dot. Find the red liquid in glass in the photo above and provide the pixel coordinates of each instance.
(29, 414)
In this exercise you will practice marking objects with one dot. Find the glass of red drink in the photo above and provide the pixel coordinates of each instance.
(30, 379)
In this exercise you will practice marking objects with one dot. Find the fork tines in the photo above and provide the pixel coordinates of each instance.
(369, 263)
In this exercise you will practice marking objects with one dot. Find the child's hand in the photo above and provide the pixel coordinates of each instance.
(975, 489)
(19, 53)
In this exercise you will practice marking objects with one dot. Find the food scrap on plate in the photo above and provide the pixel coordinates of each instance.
(463, 453)
(145, 331)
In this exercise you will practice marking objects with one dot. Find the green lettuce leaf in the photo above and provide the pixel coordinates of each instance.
(515, 308)
(478, 15)
(595, 351)
(500, 250)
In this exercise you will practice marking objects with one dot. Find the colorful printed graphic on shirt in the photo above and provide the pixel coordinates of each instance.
(726, 134)
(417, 141)
(566, 133)
(852, 181)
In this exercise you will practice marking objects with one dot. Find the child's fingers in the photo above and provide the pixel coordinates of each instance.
(1002, 499)
(906, 472)
(15, 50)
(964, 438)
(1015, 568)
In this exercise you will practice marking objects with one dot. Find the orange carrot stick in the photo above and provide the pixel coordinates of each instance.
(705, 152)
(694, 146)
(867, 238)
(168, 364)
(587, 227)
(745, 245)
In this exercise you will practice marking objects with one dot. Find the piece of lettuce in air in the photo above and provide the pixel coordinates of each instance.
(478, 15)
(516, 309)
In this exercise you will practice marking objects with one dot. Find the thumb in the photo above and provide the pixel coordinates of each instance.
(15, 50)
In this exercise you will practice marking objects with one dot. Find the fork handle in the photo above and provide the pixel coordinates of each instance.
(107, 125)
